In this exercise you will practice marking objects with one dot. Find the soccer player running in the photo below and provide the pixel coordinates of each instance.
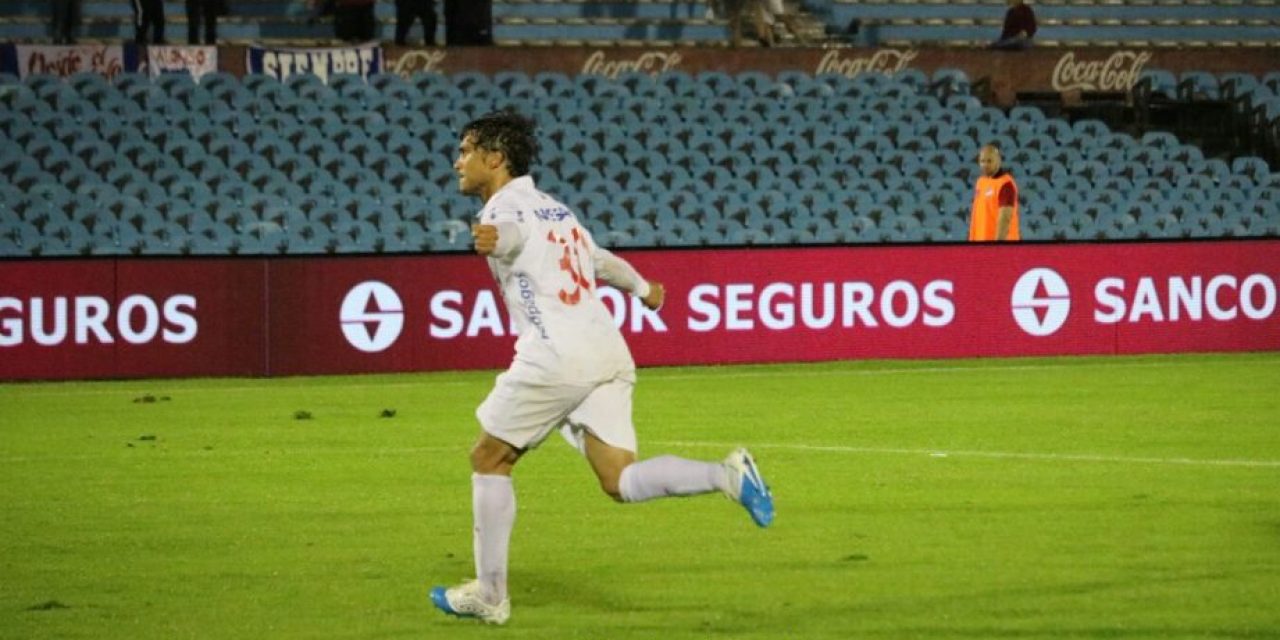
(572, 369)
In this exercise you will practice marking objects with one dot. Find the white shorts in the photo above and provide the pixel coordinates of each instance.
(522, 410)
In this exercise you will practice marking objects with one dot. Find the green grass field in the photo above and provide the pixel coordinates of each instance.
(1045, 498)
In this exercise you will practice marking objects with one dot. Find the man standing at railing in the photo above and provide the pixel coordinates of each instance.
(148, 21)
(468, 23)
(354, 20)
(994, 216)
(1019, 27)
(66, 17)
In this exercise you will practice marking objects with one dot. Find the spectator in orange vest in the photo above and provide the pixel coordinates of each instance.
(994, 216)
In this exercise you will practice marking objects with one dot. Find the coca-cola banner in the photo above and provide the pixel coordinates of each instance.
(1065, 70)
(368, 314)
(1117, 72)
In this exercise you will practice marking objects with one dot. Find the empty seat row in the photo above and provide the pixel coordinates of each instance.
(207, 172)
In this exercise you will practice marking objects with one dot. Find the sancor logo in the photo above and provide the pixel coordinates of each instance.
(372, 316)
(1041, 302)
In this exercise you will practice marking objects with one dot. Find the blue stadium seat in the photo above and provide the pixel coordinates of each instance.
(1244, 223)
(1077, 225)
(814, 230)
(943, 226)
(1198, 85)
(1168, 171)
(209, 237)
(860, 229)
(1160, 224)
(1162, 82)
(678, 232)
(1202, 224)
(902, 228)
(310, 237)
(1185, 153)
(1035, 226)
(1254, 168)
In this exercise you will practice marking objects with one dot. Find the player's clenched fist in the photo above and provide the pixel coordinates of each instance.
(486, 237)
(657, 293)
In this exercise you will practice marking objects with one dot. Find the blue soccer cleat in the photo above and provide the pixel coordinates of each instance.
(466, 601)
(752, 492)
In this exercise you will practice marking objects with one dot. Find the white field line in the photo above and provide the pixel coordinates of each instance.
(266, 454)
(461, 450)
(708, 373)
(999, 455)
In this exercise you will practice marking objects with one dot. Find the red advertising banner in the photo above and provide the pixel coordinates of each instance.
(298, 316)
(131, 318)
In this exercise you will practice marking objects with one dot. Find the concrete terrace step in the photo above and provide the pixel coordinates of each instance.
(1064, 12)
(1215, 4)
(950, 32)
(643, 9)
(236, 30)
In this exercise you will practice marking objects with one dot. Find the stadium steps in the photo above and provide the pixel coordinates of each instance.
(1160, 23)
(516, 23)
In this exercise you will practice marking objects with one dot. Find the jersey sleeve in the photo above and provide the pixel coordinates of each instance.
(512, 223)
(618, 272)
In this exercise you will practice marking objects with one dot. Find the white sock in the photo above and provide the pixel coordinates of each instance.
(665, 476)
(493, 506)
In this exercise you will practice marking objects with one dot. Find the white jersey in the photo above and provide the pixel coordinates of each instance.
(546, 264)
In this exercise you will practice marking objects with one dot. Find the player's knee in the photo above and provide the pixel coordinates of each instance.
(491, 456)
(611, 484)
(612, 489)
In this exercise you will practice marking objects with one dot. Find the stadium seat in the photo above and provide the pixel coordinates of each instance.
(1244, 223)
(1254, 168)
(860, 230)
(945, 227)
(1202, 224)
(1076, 225)
(1162, 82)
(678, 232)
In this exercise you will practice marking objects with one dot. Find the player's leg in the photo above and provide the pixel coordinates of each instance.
(601, 426)
(517, 415)
(493, 508)
(626, 480)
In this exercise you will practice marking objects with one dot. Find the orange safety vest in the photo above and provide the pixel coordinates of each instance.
(986, 209)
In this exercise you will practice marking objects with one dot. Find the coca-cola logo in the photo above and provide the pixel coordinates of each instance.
(412, 62)
(885, 61)
(1117, 73)
(651, 62)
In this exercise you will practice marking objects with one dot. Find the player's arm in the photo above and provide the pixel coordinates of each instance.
(1003, 217)
(621, 274)
(497, 235)
(1004, 210)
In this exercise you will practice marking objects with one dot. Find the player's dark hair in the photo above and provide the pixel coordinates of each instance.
(509, 133)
